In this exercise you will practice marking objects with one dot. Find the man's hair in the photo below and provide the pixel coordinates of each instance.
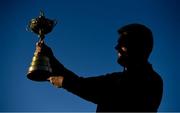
(139, 37)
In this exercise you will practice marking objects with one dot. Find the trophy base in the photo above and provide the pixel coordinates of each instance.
(39, 75)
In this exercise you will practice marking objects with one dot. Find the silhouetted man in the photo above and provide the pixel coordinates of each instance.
(137, 88)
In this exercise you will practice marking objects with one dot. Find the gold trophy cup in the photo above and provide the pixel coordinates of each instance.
(40, 68)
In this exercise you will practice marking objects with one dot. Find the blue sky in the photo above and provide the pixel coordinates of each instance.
(83, 40)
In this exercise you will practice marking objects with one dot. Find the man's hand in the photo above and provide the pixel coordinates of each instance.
(56, 81)
(43, 49)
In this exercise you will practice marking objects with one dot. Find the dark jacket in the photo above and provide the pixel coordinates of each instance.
(137, 90)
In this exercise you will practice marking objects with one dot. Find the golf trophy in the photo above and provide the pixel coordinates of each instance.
(40, 68)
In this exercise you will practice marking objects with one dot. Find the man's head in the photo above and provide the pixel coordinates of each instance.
(134, 45)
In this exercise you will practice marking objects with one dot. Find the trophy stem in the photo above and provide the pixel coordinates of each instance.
(41, 35)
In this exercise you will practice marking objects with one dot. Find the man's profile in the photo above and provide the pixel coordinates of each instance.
(138, 88)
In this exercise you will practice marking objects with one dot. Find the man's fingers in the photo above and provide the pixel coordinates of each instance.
(52, 79)
(49, 78)
(56, 81)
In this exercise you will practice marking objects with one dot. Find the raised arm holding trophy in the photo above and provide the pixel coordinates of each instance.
(138, 88)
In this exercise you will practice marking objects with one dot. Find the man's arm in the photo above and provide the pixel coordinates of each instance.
(92, 89)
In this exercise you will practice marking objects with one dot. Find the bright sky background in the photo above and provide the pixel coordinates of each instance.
(83, 40)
